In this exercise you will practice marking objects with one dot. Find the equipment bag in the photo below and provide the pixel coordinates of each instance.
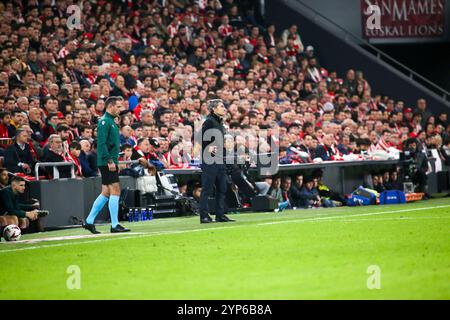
(392, 197)
(356, 200)
(362, 197)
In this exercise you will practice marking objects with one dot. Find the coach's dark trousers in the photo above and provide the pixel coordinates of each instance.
(213, 175)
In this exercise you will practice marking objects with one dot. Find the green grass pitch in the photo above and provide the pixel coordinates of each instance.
(302, 254)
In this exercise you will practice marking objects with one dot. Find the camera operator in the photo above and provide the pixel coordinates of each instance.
(419, 167)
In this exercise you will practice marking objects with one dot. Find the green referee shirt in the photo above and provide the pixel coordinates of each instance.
(108, 140)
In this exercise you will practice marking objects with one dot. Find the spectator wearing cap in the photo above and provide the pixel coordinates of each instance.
(18, 156)
(408, 115)
(155, 156)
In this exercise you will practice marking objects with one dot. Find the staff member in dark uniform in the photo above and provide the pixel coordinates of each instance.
(108, 146)
(212, 165)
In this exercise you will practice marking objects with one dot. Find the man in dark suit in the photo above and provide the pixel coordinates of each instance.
(324, 150)
(18, 156)
(212, 164)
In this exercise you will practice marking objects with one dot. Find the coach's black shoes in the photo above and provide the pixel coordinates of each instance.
(91, 228)
(206, 219)
(224, 218)
(118, 229)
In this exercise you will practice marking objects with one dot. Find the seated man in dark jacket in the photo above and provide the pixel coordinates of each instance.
(296, 190)
(85, 165)
(377, 180)
(324, 150)
(18, 156)
(329, 197)
(55, 154)
(394, 181)
(11, 210)
(309, 197)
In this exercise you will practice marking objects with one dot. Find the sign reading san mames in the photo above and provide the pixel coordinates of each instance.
(402, 18)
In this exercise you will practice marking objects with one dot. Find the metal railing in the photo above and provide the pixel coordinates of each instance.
(347, 35)
(55, 166)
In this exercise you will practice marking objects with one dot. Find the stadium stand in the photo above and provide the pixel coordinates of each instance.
(166, 62)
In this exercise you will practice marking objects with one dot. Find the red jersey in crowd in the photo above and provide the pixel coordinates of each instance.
(71, 158)
(225, 30)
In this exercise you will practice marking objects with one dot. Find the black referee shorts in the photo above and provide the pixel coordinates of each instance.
(109, 177)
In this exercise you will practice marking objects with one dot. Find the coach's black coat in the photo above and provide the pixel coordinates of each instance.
(212, 122)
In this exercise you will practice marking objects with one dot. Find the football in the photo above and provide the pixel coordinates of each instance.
(12, 233)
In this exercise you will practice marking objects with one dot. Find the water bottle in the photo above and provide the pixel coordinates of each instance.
(136, 215)
(130, 215)
(144, 214)
(150, 214)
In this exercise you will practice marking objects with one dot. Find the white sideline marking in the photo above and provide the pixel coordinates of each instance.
(395, 219)
(150, 234)
(351, 215)
(75, 237)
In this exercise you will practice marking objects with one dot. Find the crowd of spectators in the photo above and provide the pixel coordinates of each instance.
(166, 61)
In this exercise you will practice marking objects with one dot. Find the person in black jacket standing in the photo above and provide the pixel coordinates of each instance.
(420, 167)
(212, 163)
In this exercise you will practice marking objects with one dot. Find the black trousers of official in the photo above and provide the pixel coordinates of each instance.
(420, 179)
(213, 175)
